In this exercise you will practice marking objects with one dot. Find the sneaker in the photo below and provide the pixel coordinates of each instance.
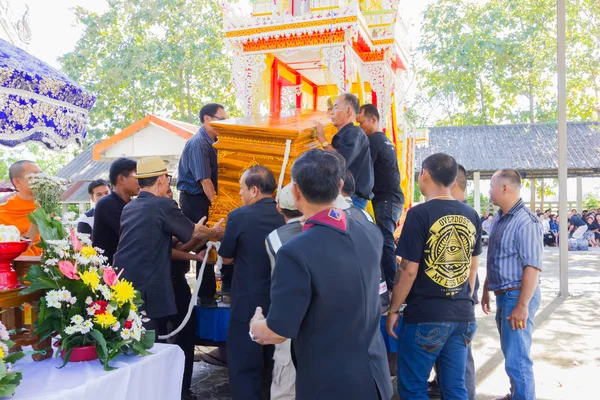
(188, 395)
(433, 390)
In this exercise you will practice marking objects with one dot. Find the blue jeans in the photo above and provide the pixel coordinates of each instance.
(359, 202)
(516, 345)
(421, 345)
(387, 214)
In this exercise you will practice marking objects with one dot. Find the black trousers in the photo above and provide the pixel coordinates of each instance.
(186, 339)
(250, 365)
(195, 207)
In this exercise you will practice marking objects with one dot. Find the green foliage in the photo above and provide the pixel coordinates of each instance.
(417, 192)
(48, 161)
(482, 61)
(591, 201)
(140, 57)
(548, 188)
(483, 201)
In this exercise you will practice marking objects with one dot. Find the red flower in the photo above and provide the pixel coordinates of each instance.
(99, 307)
(128, 324)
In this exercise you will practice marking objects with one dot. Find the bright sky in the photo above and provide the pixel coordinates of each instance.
(54, 33)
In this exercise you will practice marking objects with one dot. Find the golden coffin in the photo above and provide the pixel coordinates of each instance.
(247, 141)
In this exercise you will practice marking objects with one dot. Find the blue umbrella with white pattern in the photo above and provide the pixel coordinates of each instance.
(39, 103)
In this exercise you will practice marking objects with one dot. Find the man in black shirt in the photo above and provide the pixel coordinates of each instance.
(243, 245)
(96, 189)
(325, 293)
(351, 142)
(107, 217)
(439, 246)
(388, 200)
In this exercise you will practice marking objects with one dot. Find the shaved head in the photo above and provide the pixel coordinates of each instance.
(18, 170)
(18, 173)
(511, 177)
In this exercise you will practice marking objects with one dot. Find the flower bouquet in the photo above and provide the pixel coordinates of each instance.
(85, 303)
(9, 379)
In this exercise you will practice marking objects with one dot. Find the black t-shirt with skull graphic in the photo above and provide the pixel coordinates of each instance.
(442, 236)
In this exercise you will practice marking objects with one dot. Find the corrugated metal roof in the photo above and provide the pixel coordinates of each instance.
(5, 195)
(84, 168)
(532, 149)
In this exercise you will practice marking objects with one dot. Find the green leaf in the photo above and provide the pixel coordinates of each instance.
(14, 357)
(99, 338)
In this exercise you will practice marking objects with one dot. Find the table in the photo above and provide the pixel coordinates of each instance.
(157, 376)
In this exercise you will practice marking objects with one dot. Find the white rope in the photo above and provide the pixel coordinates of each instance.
(194, 299)
(286, 157)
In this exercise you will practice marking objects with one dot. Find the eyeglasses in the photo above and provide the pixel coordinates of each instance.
(217, 118)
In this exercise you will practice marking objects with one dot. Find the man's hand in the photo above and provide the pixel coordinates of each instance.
(518, 317)
(201, 231)
(199, 257)
(258, 316)
(485, 301)
(218, 229)
(391, 323)
(320, 131)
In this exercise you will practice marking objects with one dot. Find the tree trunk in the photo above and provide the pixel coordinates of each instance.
(181, 90)
(543, 192)
(188, 94)
(483, 108)
(531, 105)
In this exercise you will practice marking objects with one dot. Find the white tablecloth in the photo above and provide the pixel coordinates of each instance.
(157, 376)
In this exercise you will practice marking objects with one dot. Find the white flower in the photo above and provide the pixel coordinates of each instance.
(51, 261)
(105, 290)
(116, 326)
(73, 300)
(126, 334)
(4, 335)
(88, 300)
(69, 330)
(91, 311)
(77, 319)
(86, 327)
(46, 270)
(110, 309)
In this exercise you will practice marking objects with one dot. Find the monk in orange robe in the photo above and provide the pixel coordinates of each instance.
(15, 210)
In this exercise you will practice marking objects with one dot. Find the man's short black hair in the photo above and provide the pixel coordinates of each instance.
(209, 109)
(548, 211)
(121, 166)
(511, 175)
(461, 178)
(369, 110)
(94, 184)
(351, 100)
(147, 182)
(317, 174)
(17, 169)
(289, 214)
(261, 177)
(349, 184)
(442, 168)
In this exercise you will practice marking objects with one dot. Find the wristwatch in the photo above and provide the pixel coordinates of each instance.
(325, 144)
(252, 336)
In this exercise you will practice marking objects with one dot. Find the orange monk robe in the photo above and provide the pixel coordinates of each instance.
(14, 212)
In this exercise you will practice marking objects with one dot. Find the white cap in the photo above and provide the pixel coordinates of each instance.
(286, 199)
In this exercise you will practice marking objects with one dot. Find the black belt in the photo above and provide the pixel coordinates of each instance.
(499, 292)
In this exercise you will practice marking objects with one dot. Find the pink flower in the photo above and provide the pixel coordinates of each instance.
(68, 269)
(75, 240)
(110, 277)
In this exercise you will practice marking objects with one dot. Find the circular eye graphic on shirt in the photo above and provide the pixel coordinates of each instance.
(449, 250)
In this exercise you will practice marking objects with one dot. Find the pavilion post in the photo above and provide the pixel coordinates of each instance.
(533, 194)
(562, 148)
(579, 194)
(477, 192)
